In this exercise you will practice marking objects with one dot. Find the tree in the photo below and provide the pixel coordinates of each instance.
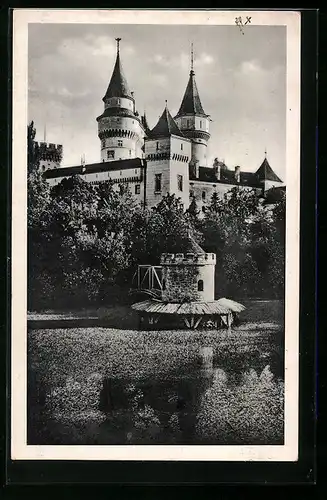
(37, 188)
(165, 228)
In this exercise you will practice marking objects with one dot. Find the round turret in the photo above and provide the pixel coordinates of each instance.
(188, 276)
(120, 128)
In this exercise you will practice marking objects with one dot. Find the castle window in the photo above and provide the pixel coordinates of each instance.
(121, 172)
(203, 195)
(118, 101)
(120, 142)
(157, 183)
(180, 182)
(103, 143)
(200, 123)
(137, 189)
(110, 154)
(182, 146)
(130, 152)
(136, 170)
(200, 286)
(157, 146)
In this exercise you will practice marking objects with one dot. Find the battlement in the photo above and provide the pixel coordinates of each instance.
(188, 258)
(49, 151)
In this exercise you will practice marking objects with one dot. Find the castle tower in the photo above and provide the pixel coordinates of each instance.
(120, 129)
(194, 122)
(188, 276)
(168, 153)
(50, 155)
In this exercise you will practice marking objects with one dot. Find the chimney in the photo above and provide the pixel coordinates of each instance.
(217, 168)
(237, 174)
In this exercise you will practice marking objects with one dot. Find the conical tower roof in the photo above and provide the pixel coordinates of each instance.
(166, 126)
(191, 103)
(118, 86)
(266, 173)
(191, 246)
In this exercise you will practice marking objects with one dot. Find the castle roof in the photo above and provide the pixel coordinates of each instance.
(191, 246)
(191, 103)
(166, 126)
(93, 168)
(227, 176)
(266, 173)
(118, 86)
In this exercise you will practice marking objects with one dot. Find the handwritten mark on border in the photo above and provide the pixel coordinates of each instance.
(240, 24)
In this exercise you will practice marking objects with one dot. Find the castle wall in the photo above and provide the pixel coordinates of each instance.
(203, 191)
(133, 177)
(119, 102)
(193, 122)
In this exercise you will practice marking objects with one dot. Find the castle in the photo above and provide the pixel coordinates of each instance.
(169, 158)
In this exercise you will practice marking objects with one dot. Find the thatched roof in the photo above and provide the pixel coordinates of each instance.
(221, 306)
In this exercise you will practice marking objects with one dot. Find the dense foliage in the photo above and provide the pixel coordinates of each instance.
(85, 240)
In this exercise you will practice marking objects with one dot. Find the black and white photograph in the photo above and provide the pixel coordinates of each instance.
(155, 235)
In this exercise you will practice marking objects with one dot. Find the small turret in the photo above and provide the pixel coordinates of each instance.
(189, 275)
(50, 155)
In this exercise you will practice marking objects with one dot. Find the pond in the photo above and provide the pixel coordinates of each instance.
(106, 386)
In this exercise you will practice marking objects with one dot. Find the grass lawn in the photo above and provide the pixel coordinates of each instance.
(102, 385)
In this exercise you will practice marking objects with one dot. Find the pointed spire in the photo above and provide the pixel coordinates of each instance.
(118, 86)
(191, 103)
(166, 126)
(265, 172)
(192, 59)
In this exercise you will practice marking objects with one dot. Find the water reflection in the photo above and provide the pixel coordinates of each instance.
(226, 399)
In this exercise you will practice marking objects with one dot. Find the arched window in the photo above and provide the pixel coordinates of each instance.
(200, 286)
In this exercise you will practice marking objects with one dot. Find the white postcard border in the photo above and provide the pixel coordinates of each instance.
(19, 448)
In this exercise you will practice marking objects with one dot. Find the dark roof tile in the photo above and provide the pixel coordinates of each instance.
(118, 86)
(92, 168)
(266, 173)
(165, 127)
(191, 103)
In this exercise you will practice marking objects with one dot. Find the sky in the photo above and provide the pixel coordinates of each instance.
(241, 81)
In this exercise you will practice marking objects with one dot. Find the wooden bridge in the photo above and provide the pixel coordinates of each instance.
(148, 279)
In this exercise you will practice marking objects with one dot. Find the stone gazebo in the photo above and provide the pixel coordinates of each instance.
(188, 293)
